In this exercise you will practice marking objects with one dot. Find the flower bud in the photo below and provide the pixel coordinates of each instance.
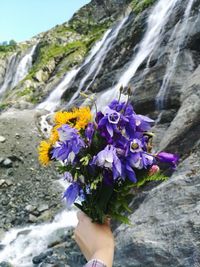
(154, 169)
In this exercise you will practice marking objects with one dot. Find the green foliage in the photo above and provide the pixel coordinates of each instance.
(139, 5)
(12, 43)
(3, 106)
(7, 48)
(26, 91)
(155, 177)
(47, 52)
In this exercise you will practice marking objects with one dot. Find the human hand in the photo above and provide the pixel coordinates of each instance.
(96, 241)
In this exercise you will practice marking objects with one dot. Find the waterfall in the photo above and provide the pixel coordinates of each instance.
(99, 58)
(17, 69)
(24, 66)
(155, 28)
(178, 36)
(54, 99)
(22, 244)
(9, 73)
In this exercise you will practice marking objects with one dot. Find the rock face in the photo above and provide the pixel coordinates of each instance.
(165, 226)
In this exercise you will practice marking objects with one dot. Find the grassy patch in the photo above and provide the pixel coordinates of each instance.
(26, 91)
(7, 48)
(3, 106)
(47, 52)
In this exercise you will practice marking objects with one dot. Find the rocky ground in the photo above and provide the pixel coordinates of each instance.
(29, 193)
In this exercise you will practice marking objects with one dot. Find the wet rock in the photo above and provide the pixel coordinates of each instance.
(2, 246)
(57, 237)
(32, 218)
(43, 208)
(30, 208)
(38, 259)
(45, 216)
(24, 232)
(5, 264)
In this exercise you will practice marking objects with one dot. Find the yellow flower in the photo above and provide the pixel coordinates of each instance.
(54, 137)
(44, 149)
(62, 117)
(77, 118)
(84, 116)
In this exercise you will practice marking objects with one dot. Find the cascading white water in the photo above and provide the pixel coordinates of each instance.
(23, 66)
(54, 99)
(17, 70)
(22, 244)
(178, 36)
(99, 58)
(155, 29)
(9, 73)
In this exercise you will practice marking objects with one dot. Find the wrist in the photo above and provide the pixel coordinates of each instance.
(105, 255)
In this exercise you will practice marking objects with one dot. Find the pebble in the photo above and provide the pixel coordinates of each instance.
(30, 208)
(2, 183)
(9, 182)
(17, 135)
(5, 183)
(7, 163)
(2, 139)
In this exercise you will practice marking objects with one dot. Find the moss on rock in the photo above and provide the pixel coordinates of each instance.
(140, 5)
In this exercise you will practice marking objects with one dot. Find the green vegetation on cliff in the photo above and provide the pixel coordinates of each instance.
(74, 50)
(140, 5)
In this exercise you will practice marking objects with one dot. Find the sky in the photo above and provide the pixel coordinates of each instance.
(22, 19)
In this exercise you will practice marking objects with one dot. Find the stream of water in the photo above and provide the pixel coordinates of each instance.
(17, 69)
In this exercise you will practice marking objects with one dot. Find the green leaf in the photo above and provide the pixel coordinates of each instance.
(155, 177)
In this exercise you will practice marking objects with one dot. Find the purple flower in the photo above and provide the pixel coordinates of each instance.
(68, 177)
(108, 123)
(127, 171)
(129, 120)
(168, 158)
(72, 193)
(143, 123)
(116, 105)
(67, 133)
(70, 144)
(89, 132)
(137, 156)
(108, 158)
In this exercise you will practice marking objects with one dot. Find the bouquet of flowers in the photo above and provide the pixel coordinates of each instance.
(104, 158)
